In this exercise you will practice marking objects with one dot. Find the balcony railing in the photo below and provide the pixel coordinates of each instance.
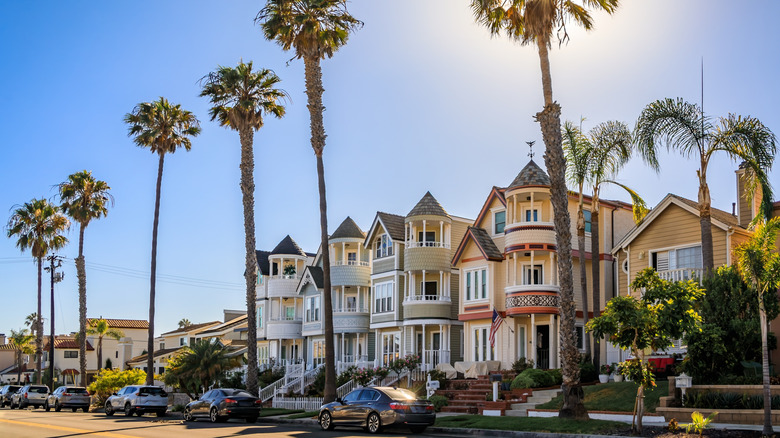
(418, 298)
(683, 274)
(415, 244)
(285, 318)
(351, 263)
(350, 309)
(432, 358)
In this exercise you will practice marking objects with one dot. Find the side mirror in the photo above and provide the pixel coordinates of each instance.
(113, 393)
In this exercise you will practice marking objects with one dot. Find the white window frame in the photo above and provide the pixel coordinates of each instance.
(494, 212)
(182, 341)
(312, 308)
(526, 280)
(72, 353)
(260, 316)
(480, 344)
(384, 297)
(474, 291)
(387, 250)
(529, 209)
(394, 352)
(672, 249)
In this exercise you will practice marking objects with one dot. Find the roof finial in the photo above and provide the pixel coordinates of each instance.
(531, 148)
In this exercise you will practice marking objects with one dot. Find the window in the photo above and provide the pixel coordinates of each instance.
(383, 297)
(162, 347)
(531, 215)
(586, 214)
(182, 341)
(318, 351)
(532, 274)
(384, 246)
(289, 313)
(482, 348)
(351, 302)
(116, 353)
(476, 284)
(391, 347)
(313, 309)
(260, 317)
(499, 222)
(161, 370)
(580, 337)
(428, 288)
(71, 354)
(677, 259)
(351, 258)
(430, 237)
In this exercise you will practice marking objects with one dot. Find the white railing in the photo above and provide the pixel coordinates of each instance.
(269, 391)
(416, 244)
(293, 369)
(298, 382)
(305, 403)
(351, 263)
(350, 309)
(346, 388)
(415, 297)
(432, 358)
(284, 277)
(684, 274)
(285, 318)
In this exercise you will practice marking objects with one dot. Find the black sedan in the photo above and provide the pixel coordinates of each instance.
(219, 405)
(375, 408)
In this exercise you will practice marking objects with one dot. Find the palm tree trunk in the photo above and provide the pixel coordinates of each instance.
(51, 327)
(153, 276)
(100, 354)
(767, 430)
(550, 121)
(583, 274)
(81, 273)
(595, 264)
(39, 326)
(314, 90)
(705, 221)
(250, 270)
(18, 366)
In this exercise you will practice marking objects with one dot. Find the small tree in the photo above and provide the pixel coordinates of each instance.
(109, 381)
(663, 312)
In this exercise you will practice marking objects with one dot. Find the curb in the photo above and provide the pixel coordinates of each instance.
(512, 433)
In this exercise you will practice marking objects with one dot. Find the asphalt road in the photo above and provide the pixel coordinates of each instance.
(39, 423)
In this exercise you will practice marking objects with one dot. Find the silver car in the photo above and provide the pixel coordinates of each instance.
(6, 391)
(73, 397)
(138, 399)
(30, 395)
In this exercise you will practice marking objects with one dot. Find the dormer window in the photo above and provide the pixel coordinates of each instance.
(499, 222)
(384, 246)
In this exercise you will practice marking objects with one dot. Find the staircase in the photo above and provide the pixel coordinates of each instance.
(466, 396)
(538, 397)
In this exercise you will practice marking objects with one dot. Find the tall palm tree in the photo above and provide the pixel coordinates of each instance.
(576, 147)
(758, 264)
(163, 128)
(38, 226)
(21, 340)
(315, 29)
(538, 22)
(240, 98)
(31, 321)
(84, 198)
(102, 329)
(683, 127)
(184, 323)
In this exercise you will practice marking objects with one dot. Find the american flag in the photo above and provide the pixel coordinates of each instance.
(497, 320)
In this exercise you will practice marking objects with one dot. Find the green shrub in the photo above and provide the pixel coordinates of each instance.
(269, 376)
(699, 423)
(556, 376)
(439, 401)
(588, 372)
(522, 382)
(345, 376)
(533, 378)
(522, 364)
(110, 381)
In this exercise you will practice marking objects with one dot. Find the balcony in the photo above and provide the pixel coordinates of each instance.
(427, 256)
(432, 358)
(350, 319)
(683, 274)
(532, 298)
(350, 273)
(283, 286)
(427, 306)
(529, 235)
(283, 328)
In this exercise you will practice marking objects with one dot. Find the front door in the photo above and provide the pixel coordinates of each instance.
(543, 346)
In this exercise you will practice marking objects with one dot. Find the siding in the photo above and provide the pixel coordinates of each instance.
(371, 346)
(385, 264)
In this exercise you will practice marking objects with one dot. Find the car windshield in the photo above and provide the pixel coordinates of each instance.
(39, 390)
(153, 391)
(76, 390)
(400, 394)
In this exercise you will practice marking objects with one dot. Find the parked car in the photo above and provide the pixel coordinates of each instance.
(73, 397)
(6, 391)
(138, 399)
(30, 395)
(375, 408)
(221, 404)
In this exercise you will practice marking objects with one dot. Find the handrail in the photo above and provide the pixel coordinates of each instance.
(423, 297)
(269, 391)
(346, 388)
(304, 379)
(418, 244)
(350, 309)
(350, 263)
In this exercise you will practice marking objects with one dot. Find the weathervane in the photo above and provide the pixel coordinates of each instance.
(531, 148)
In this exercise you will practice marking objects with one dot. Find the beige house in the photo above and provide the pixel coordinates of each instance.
(8, 371)
(168, 343)
(66, 358)
(133, 342)
(508, 261)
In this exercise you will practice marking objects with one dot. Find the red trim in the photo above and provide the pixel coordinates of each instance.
(579, 314)
(530, 246)
(527, 310)
(473, 308)
(473, 316)
(494, 192)
(529, 227)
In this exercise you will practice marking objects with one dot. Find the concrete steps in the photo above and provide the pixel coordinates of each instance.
(538, 397)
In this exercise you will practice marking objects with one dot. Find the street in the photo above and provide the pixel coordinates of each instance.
(38, 424)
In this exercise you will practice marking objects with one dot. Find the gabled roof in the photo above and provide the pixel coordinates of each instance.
(311, 274)
(428, 206)
(262, 261)
(288, 246)
(348, 229)
(124, 323)
(193, 327)
(531, 175)
(720, 218)
(495, 193)
(393, 224)
(482, 239)
(225, 325)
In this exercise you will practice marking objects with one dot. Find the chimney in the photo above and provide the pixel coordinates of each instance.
(747, 205)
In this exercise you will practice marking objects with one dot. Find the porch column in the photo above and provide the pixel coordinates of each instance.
(514, 209)
(441, 342)
(552, 267)
(558, 337)
(342, 347)
(514, 268)
(343, 253)
(423, 345)
(422, 285)
(343, 298)
(377, 348)
(441, 233)
(553, 341)
(441, 284)
(533, 340)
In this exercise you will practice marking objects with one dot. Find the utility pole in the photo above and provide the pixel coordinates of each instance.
(55, 262)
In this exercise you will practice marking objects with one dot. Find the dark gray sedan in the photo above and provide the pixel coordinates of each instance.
(378, 407)
(6, 392)
(220, 404)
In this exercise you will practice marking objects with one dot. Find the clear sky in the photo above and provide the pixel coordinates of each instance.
(420, 99)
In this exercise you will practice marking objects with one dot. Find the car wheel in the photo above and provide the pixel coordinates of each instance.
(109, 409)
(188, 415)
(326, 421)
(12, 406)
(373, 423)
(46, 406)
(128, 410)
(251, 420)
(57, 406)
(418, 429)
(85, 409)
(214, 416)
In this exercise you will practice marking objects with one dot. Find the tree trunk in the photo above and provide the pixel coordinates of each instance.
(550, 121)
(250, 270)
(81, 273)
(19, 367)
(705, 221)
(39, 326)
(100, 354)
(314, 90)
(767, 430)
(51, 329)
(583, 274)
(595, 263)
(640, 408)
(152, 281)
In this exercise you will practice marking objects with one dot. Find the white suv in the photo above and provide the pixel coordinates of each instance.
(138, 399)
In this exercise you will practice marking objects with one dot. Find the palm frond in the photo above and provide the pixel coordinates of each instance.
(639, 206)
(611, 150)
(161, 126)
(577, 149)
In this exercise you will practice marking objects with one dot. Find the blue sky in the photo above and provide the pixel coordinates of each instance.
(420, 99)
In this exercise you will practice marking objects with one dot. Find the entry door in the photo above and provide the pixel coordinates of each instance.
(543, 346)
(482, 349)
(521, 343)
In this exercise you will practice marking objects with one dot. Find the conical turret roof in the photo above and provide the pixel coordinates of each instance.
(531, 175)
(348, 229)
(288, 246)
(428, 206)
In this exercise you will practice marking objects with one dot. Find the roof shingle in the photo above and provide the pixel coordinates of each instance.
(719, 215)
(288, 246)
(192, 327)
(531, 175)
(428, 206)
(262, 261)
(348, 229)
(393, 224)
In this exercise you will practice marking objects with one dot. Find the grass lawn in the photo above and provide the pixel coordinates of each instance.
(530, 424)
(269, 412)
(309, 414)
(613, 396)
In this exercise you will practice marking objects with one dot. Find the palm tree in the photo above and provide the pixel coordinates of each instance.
(31, 321)
(184, 323)
(535, 22)
(38, 225)
(21, 341)
(758, 264)
(240, 98)
(682, 126)
(163, 128)
(84, 198)
(101, 329)
(203, 362)
(315, 29)
(576, 148)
